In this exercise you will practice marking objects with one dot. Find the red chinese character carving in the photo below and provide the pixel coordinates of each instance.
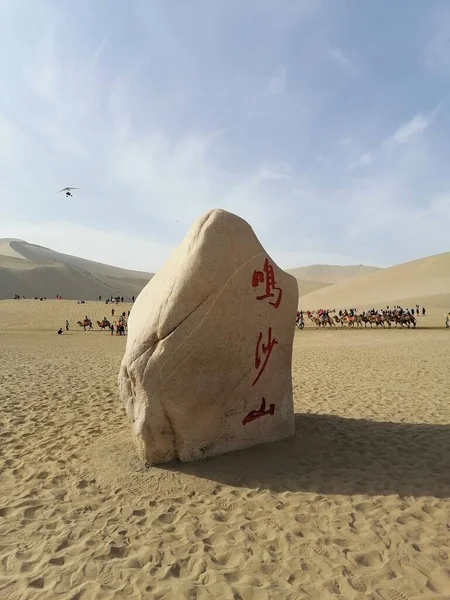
(267, 276)
(266, 351)
(255, 414)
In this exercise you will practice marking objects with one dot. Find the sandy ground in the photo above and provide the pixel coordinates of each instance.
(354, 505)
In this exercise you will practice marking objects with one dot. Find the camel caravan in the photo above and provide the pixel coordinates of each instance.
(118, 327)
(380, 318)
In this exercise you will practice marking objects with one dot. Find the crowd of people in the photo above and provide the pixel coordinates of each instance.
(115, 299)
(388, 311)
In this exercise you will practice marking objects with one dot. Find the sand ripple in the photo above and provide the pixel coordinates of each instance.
(354, 505)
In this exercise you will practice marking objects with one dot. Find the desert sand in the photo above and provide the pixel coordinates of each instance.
(354, 505)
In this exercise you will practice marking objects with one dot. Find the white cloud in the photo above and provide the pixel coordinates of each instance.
(338, 56)
(405, 134)
(364, 160)
(414, 128)
(409, 132)
(277, 82)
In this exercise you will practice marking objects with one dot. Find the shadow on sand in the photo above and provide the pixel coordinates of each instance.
(333, 455)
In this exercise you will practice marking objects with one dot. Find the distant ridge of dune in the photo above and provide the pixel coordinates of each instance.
(30, 270)
(418, 281)
(315, 277)
(33, 252)
(306, 286)
(327, 274)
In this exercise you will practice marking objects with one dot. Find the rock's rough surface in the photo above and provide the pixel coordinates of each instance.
(207, 367)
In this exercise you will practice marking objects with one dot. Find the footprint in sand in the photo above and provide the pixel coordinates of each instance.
(81, 485)
(357, 584)
(440, 580)
(37, 583)
(393, 595)
(416, 565)
(7, 511)
(118, 552)
(370, 561)
(30, 513)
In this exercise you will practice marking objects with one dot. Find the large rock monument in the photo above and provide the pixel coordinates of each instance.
(207, 366)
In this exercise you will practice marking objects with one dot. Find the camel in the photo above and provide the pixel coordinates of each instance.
(396, 318)
(385, 319)
(346, 320)
(407, 320)
(105, 324)
(318, 321)
(379, 320)
(338, 319)
(330, 322)
(315, 319)
(86, 323)
(350, 320)
(358, 321)
(367, 319)
(375, 319)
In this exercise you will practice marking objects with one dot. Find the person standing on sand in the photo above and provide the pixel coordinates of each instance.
(67, 325)
(447, 320)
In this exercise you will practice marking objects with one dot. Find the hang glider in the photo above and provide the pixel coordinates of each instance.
(67, 190)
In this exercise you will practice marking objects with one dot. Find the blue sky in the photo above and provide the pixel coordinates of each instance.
(325, 124)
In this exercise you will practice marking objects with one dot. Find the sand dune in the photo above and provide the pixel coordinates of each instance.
(354, 505)
(307, 287)
(425, 281)
(327, 274)
(39, 254)
(30, 270)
